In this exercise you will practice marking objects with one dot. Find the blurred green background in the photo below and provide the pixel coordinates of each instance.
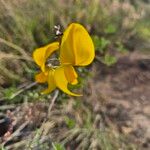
(26, 25)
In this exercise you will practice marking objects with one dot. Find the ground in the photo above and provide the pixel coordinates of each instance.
(120, 93)
(126, 86)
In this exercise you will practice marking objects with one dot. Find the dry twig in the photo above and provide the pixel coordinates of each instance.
(16, 133)
(53, 101)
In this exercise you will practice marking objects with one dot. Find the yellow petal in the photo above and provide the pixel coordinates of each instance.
(51, 82)
(66, 48)
(76, 47)
(62, 82)
(41, 77)
(40, 55)
(70, 74)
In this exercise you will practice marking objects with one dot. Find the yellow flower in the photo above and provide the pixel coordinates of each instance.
(75, 49)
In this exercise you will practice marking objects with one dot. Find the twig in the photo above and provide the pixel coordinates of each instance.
(17, 132)
(49, 111)
(53, 101)
(5, 107)
(23, 89)
(16, 145)
(18, 92)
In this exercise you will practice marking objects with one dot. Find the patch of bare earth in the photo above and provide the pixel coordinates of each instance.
(126, 87)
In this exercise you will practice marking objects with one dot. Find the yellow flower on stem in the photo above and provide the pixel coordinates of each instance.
(75, 49)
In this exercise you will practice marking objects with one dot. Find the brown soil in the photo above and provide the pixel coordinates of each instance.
(126, 88)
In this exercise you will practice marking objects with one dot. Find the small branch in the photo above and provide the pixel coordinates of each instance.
(6, 107)
(21, 143)
(49, 111)
(53, 101)
(23, 89)
(17, 132)
(18, 92)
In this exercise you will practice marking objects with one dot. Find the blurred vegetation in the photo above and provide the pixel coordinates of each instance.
(116, 26)
(24, 25)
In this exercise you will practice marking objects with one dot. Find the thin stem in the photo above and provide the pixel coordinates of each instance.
(53, 101)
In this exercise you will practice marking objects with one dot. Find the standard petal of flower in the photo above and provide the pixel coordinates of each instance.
(41, 54)
(84, 48)
(51, 83)
(41, 77)
(66, 48)
(71, 74)
(62, 82)
(77, 47)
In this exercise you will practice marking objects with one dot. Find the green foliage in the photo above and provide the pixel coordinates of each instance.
(109, 60)
(36, 139)
(110, 29)
(143, 27)
(21, 25)
(35, 143)
(120, 47)
(57, 146)
(145, 32)
(9, 93)
(2, 148)
(70, 122)
(100, 43)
